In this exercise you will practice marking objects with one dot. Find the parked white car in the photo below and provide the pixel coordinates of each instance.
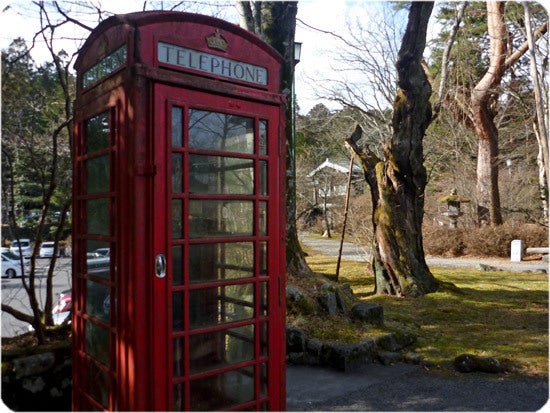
(26, 247)
(11, 265)
(46, 249)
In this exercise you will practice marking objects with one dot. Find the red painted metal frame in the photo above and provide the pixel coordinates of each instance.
(137, 95)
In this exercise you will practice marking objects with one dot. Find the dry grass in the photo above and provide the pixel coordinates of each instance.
(498, 314)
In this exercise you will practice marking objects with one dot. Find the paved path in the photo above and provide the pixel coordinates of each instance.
(406, 387)
(353, 252)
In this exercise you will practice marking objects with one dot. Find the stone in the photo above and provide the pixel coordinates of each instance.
(389, 357)
(344, 300)
(33, 365)
(299, 302)
(413, 358)
(328, 302)
(34, 384)
(369, 312)
(295, 340)
(348, 357)
(296, 358)
(467, 363)
(387, 342)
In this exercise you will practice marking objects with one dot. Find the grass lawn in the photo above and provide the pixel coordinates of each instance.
(498, 314)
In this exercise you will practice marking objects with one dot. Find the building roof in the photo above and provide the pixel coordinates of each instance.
(340, 166)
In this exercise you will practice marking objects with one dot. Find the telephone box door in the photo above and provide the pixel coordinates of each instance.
(216, 291)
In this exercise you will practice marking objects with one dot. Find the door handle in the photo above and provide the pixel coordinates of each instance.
(160, 266)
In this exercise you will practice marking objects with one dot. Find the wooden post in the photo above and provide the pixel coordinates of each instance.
(346, 207)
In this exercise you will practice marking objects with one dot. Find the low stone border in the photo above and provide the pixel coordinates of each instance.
(385, 349)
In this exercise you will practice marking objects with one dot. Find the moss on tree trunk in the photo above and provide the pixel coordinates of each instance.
(398, 181)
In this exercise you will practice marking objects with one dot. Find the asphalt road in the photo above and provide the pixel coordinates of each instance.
(353, 252)
(406, 387)
(14, 294)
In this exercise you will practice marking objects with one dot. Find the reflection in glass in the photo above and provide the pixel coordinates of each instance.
(222, 261)
(177, 173)
(177, 217)
(98, 255)
(263, 258)
(177, 311)
(178, 357)
(177, 271)
(105, 66)
(221, 348)
(263, 218)
(222, 391)
(177, 127)
(263, 339)
(263, 380)
(97, 382)
(178, 398)
(98, 301)
(220, 305)
(263, 178)
(97, 174)
(220, 218)
(96, 342)
(263, 137)
(263, 298)
(221, 132)
(97, 215)
(97, 133)
(220, 175)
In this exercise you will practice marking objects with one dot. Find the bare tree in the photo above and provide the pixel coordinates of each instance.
(397, 181)
(541, 125)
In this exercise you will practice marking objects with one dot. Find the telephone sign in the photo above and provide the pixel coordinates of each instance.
(179, 222)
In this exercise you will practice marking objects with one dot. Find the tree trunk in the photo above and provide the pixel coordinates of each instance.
(277, 27)
(397, 183)
(540, 126)
(484, 97)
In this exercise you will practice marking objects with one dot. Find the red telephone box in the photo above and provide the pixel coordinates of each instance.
(179, 267)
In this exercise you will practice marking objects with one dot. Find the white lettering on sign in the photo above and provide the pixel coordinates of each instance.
(208, 63)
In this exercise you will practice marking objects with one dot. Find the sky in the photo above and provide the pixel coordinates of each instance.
(20, 19)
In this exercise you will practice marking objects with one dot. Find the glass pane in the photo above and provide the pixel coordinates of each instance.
(263, 258)
(98, 258)
(177, 273)
(220, 175)
(97, 175)
(178, 398)
(220, 218)
(97, 133)
(263, 178)
(220, 132)
(221, 305)
(263, 217)
(98, 301)
(263, 137)
(177, 173)
(178, 357)
(177, 311)
(177, 217)
(223, 391)
(263, 380)
(263, 299)
(105, 66)
(98, 217)
(97, 342)
(177, 127)
(98, 383)
(223, 261)
(263, 339)
(221, 348)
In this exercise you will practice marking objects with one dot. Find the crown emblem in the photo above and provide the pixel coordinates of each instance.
(217, 41)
